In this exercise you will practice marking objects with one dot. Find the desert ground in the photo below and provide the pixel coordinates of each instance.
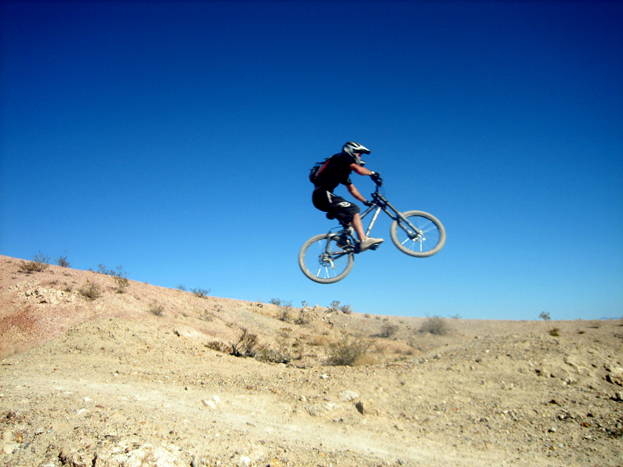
(97, 370)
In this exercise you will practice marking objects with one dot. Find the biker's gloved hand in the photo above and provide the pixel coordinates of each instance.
(376, 177)
(368, 203)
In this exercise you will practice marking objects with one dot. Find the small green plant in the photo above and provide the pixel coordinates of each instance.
(554, 332)
(435, 325)
(275, 301)
(335, 305)
(201, 293)
(545, 316)
(62, 262)
(90, 291)
(347, 351)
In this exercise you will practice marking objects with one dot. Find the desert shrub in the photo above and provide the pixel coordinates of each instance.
(62, 262)
(545, 316)
(90, 290)
(120, 276)
(275, 301)
(435, 325)
(219, 346)
(554, 332)
(319, 340)
(388, 330)
(347, 351)
(201, 293)
(335, 306)
(181, 287)
(285, 312)
(41, 258)
(31, 266)
(281, 354)
(39, 263)
(156, 309)
(302, 319)
(346, 309)
(245, 346)
(121, 280)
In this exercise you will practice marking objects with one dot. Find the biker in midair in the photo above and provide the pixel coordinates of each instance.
(337, 171)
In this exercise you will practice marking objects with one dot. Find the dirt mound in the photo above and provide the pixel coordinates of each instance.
(138, 375)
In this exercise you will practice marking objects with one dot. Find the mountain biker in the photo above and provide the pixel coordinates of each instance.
(338, 170)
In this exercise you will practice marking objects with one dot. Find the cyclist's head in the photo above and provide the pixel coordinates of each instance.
(354, 150)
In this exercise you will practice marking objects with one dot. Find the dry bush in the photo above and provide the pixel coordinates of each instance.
(62, 262)
(39, 263)
(435, 325)
(302, 319)
(388, 330)
(346, 309)
(285, 313)
(245, 346)
(555, 332)
(201, 293)
(347, 351)
(156, 309)
(319, 340)
(281, 354)
(219, 346)
(90, 291)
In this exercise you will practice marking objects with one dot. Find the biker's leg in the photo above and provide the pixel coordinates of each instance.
(358, 226)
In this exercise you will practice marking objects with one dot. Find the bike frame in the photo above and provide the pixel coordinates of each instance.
(380, 203)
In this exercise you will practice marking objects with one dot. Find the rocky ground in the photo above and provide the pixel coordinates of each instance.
(97, 371)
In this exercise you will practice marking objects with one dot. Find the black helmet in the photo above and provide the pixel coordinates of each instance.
(352, 149)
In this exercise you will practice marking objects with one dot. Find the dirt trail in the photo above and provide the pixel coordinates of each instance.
(131, 378)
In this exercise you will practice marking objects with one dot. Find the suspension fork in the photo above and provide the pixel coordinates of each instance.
(411, 230)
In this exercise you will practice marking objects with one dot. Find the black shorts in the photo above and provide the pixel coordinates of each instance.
(335, 206)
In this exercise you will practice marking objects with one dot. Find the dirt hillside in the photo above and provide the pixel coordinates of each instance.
(100, 371)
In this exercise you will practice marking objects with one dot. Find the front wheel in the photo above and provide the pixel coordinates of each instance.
(422, 236)
(322, 261)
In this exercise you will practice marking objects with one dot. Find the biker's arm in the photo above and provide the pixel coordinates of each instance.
(352, 189)
(360, 170)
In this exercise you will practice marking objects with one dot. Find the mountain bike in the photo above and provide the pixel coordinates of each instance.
(329, 257)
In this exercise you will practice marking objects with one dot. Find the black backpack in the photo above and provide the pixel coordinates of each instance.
(316, 171)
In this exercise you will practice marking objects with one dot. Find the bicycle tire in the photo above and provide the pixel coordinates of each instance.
(431, 243)
(317, 267)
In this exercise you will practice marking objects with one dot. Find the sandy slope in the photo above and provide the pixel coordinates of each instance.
(131, 379)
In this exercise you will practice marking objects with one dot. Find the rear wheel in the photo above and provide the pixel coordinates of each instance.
(427, 240)
(322, 261)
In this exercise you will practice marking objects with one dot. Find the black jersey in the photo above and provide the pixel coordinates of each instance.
(337, 171)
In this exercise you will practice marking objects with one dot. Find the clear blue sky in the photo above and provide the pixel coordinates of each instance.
(175, 138)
